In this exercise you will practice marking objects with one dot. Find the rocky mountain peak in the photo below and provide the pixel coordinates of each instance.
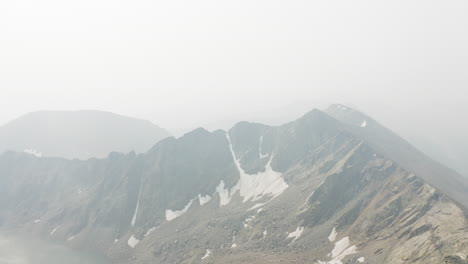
(320, 189)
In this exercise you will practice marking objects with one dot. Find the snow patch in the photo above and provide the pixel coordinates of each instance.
(137, 205)
(151, 230)
(296, 234)
(234, 245)
(37, 221)
(349, 251)
(115, 241)
(132, 241)
(340, 246)
(71, 238)
(207, 254)
(171, 215)
(225, 194)
(364, 123)
(54, 230)
(340, 251)
(204, 199)
(260, 149)
(361, 260)
(312, 193)
(254, 187)
(33, 152)
(248, 220)
(265, 233)
(332, 235)
(256, 206)
(250, 187)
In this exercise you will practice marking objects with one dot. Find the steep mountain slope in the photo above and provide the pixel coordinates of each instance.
(310, 191)
(78, 134)
(449, 150)
(396, 148)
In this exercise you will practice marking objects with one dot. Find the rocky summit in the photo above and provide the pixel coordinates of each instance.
(332, 187)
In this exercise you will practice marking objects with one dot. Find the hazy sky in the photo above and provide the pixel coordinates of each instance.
(182, 63)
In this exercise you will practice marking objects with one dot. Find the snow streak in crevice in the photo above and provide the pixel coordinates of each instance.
(137, 205)
(256, 186)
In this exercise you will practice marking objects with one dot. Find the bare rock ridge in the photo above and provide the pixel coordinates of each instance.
(396, 148)
(331, 187)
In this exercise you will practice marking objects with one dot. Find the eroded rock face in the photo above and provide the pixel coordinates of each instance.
(254, 194)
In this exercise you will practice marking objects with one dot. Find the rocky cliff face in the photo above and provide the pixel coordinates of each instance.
(316, 190)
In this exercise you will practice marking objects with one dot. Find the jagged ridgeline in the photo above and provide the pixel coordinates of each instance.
(330, 187)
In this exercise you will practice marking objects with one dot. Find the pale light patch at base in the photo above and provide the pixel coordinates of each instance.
(332, 235)
(296, 234)
(132, 241)
(225, 194)
(151, 230)
(340, 246)
(256, 206)
(54, 230)
(204, 199)
(171, 215)
(248, 220)
(207, 254)
(340, 251)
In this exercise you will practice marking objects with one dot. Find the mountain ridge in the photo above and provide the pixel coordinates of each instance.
(78, 134)
(403, 152)
(255, 192)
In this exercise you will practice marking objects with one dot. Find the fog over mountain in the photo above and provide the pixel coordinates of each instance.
(185, 64)
(247, 131)
(425, 127)
(329, 187)
(78, 134)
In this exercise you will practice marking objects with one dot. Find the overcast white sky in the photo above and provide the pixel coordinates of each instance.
(183, 63)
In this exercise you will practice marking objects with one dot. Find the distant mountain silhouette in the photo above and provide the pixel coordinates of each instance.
(331, 187)
(78, 134)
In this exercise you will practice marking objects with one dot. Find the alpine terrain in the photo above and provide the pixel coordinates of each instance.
(332, 187)
(78, 134)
